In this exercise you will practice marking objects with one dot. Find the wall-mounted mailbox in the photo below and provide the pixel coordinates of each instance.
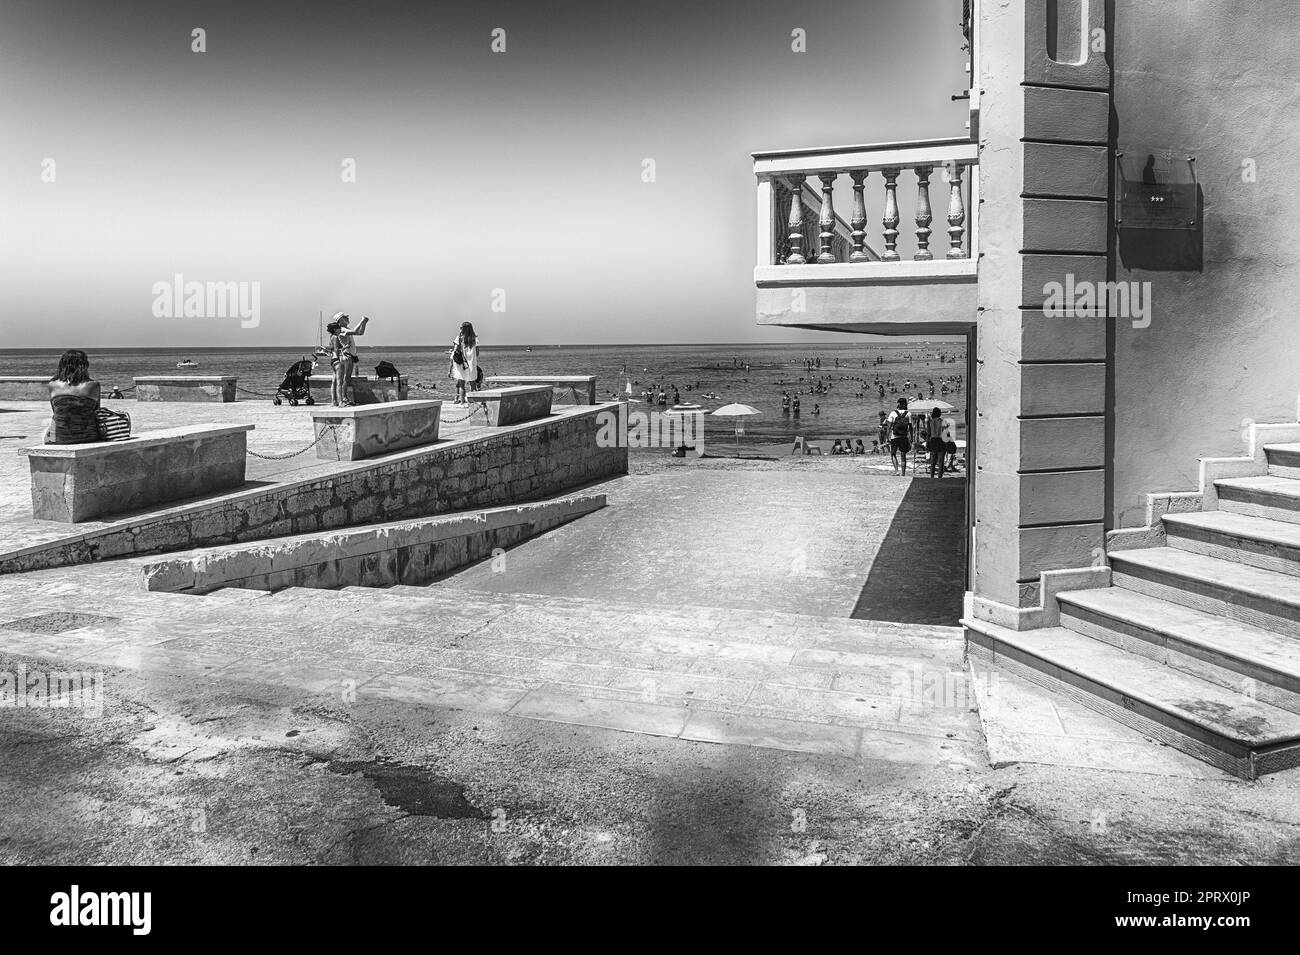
(1156, 190)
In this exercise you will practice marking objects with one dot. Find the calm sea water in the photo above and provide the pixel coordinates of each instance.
(749, 374)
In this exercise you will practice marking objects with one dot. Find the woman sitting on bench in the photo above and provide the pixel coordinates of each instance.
(74, 401)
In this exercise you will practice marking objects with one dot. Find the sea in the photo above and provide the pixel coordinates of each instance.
(838, 385)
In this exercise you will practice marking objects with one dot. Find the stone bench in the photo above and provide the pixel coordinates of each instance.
(77, 482)
(362, 431)
(514, 405)
(365, 391)
(216, 388)
(569, 389)
(25, 388)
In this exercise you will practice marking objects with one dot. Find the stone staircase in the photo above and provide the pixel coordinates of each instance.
(1197, 642)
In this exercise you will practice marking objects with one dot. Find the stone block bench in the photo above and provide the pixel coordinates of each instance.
(365, 391)
(363, 431)
(25, 388)
(569, 389)
(216, 388)
(514, 405)
(77, 482)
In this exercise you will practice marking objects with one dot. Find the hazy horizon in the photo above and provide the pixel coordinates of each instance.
(475, 171)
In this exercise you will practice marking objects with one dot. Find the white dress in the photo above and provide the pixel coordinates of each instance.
(469, 370)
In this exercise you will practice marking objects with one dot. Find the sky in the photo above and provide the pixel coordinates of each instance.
(506, 188)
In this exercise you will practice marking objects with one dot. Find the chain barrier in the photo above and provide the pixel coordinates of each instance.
(328, 429)
(472, 412)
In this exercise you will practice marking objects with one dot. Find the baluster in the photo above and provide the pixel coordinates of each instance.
(923, 216)
(891, 219)
(827, 220)
(796, 222)
(859, 219)
(956, 213)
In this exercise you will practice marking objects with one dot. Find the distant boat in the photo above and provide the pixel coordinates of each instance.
(187, 364)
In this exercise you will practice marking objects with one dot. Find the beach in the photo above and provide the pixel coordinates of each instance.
(754, 375)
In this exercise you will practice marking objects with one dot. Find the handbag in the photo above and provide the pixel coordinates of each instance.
(113, 425)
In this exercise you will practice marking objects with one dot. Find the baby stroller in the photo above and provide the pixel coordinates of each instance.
(294, 386)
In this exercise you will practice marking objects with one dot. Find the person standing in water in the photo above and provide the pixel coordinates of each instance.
(343, 355)
(464, 362)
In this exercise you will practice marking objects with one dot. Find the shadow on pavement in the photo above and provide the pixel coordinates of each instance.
(919, 573)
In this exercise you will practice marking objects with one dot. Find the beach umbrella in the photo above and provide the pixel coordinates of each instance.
(925, 407)
(739, 412)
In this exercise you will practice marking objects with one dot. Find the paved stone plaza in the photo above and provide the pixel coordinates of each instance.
(734, 661)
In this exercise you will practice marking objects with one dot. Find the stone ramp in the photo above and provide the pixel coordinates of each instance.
(784, 681)
(858, 689)
(850, 688)
(487, 468)
(418, 550)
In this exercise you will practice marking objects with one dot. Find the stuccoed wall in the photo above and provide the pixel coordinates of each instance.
(1217, 80)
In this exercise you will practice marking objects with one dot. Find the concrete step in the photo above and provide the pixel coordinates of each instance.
(1220, 726)
(592, 662)
(1283, 460)
(1252, 661)
(790, 629)
(1257, 541)
(1267, 496)
(1261, 598)
(712, 648)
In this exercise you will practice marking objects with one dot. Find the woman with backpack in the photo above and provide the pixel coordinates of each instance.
(464, 363)
(900, 435)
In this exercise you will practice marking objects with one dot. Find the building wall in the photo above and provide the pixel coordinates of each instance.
(1040, 450)
(1216, 80)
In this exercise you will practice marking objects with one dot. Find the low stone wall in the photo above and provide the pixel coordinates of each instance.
(411, 552)
(526, 463)
(219, 388)
(506, 406)
(365, 391)
(77, 482)
(565, 389)
(349, 434)
(25, 388)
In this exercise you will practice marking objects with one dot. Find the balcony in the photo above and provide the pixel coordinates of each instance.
(902, 283)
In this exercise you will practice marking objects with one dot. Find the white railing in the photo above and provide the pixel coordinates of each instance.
(784, 248)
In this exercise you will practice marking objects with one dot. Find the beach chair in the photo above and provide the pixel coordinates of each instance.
(801, 445)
